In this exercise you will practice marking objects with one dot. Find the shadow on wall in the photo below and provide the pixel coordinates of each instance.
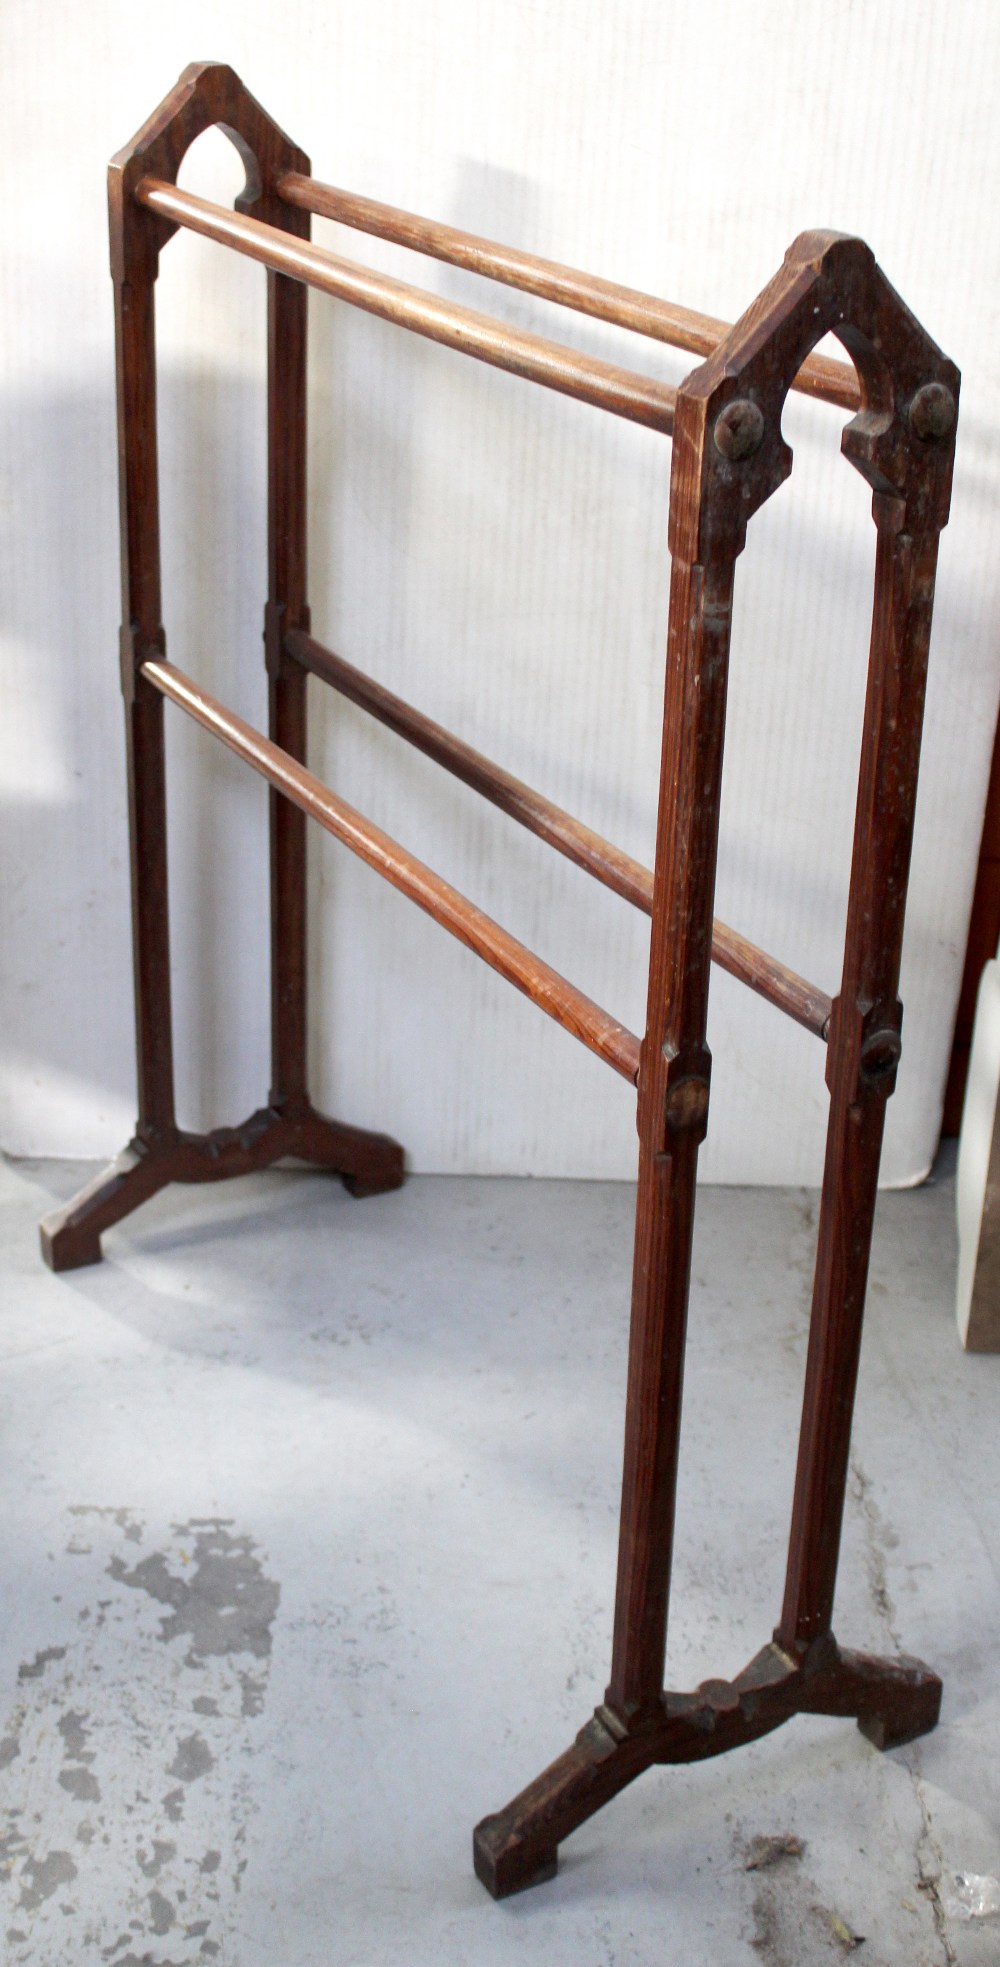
(63, 904)
(64, 913)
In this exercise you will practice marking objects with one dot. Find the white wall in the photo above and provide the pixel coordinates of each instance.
(496, 553)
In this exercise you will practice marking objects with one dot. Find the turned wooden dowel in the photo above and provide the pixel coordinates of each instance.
(553, 993)
(604, 300)
(609, 864)
(639, 399)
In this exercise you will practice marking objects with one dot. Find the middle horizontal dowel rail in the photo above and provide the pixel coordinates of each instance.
(639, 399)
(617, 870)
(562, 1001)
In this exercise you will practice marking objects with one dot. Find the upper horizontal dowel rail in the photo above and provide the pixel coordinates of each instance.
(562, 1001)
(626, 307)
(617, 870)
(640, 399)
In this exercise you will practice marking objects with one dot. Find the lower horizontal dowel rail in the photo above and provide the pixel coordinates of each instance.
(609, 864)
(562, 1001)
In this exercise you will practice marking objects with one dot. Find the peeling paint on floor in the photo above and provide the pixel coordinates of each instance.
(125, 1754)
(409, 1413)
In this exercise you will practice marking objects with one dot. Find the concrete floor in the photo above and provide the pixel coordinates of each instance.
(309, 1559)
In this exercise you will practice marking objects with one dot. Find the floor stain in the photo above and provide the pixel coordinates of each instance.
(880, 1540)
(81, 1784)
(161, 1913)
(792, 1928)
(145, 1960)
(75, 1735)
(43, 1876)
(762, 1852)
(194, 1758)
(227, 1605)
(253, 1687)
(152, 1864)
(791, 1925)
(167, 1674)
(129, 1524)
(37, 1666)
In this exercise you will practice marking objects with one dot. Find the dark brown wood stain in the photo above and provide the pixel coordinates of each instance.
(728, 458)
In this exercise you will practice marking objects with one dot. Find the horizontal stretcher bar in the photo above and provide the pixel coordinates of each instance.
(617, 870)
(640, 399)
(562, 1001)
(834, 382)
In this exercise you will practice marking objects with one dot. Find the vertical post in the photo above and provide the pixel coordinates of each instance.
(729, 458)
(134, 260)
(863, 1054)
(207, 94)
(287, 609)
(672, 1119)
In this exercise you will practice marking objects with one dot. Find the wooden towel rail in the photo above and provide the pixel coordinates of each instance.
(624, 307)
(626, 877)
(729, 457)
(570, 1008)
(610, 388)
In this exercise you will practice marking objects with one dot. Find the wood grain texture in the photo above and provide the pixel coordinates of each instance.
(861, 1065)
(892, 1700)
(673, 1117)
(585, 293)
(636, 398)
(608, 864)
(207, 94)
(561, 1000)
(367, 1163)
(729, 458)
(286, 605)
(141, 635)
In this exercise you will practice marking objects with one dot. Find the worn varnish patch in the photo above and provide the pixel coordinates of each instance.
(123, 1801)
